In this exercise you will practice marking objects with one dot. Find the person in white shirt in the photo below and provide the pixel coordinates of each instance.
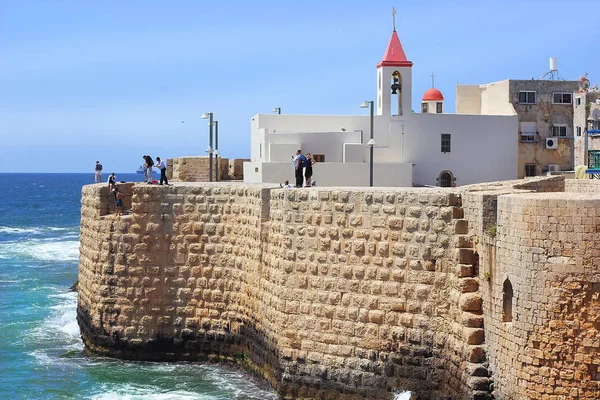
(160, 164)
(112, 182)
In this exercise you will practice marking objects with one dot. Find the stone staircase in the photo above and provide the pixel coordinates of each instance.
(474, 369)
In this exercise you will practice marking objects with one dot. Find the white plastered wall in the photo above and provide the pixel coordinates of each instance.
(332, 174)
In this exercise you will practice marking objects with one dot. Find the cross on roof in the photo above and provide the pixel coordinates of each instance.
(432, 79)
(394, 17)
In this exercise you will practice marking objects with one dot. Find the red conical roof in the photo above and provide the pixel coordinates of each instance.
(394, 55)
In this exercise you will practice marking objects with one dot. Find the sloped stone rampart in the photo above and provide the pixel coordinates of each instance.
(341, 293)
(329, 291)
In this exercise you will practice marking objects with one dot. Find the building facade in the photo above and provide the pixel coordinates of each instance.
(431, 148)
(586, 118)
(545, 133)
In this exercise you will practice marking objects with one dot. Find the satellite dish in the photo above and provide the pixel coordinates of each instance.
(585, 84)
(596, 114)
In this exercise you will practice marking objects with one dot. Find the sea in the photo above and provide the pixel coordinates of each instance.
(40, 345)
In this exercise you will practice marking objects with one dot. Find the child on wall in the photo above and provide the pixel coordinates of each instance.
(119, 203)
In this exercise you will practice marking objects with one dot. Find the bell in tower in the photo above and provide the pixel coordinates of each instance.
(395, 85)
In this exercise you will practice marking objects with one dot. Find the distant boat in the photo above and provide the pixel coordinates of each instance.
(140, 170)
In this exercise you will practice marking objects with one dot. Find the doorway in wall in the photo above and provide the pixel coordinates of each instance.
(446, 179)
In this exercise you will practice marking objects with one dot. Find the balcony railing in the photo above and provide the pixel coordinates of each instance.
(593, 159)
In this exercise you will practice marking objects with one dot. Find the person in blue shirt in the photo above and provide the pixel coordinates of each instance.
(299, 162)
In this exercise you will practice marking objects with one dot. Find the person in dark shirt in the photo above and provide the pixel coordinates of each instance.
(148, 163)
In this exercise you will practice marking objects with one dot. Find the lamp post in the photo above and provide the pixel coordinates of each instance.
(210, 152)
(371, 143)
(277, 110)
(216, 151)
(209, 116)
(216, 165)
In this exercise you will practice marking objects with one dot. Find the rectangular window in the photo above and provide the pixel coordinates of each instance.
(559, 130)
(562, 98)
(424, 108)
(526, 97)
(445, 143)
(528, 132)
(529, 169)
(319, 157)
(438, 107)
(578, 101)
(578, 131)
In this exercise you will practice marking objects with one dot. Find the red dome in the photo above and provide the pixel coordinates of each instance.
(433, 95)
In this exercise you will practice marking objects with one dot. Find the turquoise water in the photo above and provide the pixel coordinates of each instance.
(39, 250)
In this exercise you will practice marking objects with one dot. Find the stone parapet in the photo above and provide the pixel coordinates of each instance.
(196, 169)
(582, 185)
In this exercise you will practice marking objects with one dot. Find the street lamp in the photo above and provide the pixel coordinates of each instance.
(371, 143)
(209, 116)
(216, 165)
(277, 110)
(217, 151)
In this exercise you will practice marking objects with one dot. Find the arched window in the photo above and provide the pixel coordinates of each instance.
(475, 264)
(446, 179)
(396, 88)
(507, 301)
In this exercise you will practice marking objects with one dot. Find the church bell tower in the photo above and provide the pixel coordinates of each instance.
(394, 79)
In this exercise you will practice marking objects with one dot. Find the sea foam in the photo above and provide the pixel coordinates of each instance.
(135, 392)
(19, 231)
(42, 250)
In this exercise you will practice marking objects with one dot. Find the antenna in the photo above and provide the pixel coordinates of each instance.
(553, 74)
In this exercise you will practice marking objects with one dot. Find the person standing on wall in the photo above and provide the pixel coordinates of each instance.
(119, 202)
(308, 169)
(112, 181)
(160, 164)
(98, 169)
(299, 162)
(148, 163)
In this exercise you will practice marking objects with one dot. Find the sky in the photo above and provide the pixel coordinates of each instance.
(82, 81)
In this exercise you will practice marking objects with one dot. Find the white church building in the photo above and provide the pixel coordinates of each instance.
(410, 149)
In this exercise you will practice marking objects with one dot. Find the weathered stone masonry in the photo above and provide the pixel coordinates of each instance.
(349, 293)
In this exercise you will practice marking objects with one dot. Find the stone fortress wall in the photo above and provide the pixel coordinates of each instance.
(353, 292)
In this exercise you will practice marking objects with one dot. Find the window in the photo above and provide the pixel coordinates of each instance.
(507, 298)
(260, 150)
(528, 132)
(319, 157)
(578, 101)
(424, 108)
(562, 98)
(559, 130)
(445, 143)
(530, 170)
(438, 107)
(526, 97)
(578, 131)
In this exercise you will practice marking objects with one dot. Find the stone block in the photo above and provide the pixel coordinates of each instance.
(471, 302)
